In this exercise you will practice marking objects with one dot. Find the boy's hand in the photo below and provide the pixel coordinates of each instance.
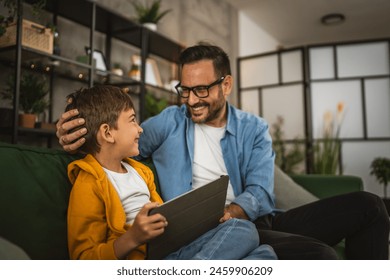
(147, 227)
(68, 141)
(143, 229)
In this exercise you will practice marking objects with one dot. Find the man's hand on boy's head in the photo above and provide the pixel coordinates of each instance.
(72, 141)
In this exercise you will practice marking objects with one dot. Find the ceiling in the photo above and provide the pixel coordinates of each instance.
(298, 22)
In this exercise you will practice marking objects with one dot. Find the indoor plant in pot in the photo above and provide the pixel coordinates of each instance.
(380, 168)
(32, 99)
(149, 14)
(11, 7)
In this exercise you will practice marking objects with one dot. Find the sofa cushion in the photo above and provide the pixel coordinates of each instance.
(10, 251)
(289, 194)
(34, 194)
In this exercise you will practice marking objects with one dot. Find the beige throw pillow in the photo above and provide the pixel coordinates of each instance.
(289, 194)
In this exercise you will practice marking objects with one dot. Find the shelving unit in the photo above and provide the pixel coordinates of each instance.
(98, 20)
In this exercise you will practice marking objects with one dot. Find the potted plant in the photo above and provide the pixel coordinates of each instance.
(380, 168)
(327, 151)
(149, 15)
(3, 25)
(117, 69)
(31, 38)
(11, 7)
(32, 98)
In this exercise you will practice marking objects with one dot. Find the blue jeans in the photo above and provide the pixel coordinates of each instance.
(235, 239)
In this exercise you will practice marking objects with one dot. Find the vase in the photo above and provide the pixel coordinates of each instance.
(27, 120)
(117, 71)
(135, 72)
(150, 25)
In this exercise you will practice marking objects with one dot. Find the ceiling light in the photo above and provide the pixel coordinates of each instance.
(332, 19)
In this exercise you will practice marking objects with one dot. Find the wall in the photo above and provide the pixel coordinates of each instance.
(193, 21)
(252, 38)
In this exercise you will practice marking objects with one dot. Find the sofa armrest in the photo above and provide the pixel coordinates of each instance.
(34, 194)
(324, 186)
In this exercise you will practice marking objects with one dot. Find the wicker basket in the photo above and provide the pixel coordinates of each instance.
(35, 36)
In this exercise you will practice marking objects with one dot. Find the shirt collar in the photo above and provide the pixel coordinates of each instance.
(231, 120)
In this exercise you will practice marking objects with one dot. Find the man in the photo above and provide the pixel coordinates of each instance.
(208, 137)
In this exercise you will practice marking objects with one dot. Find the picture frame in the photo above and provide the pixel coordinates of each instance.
(99, 59)
(152, 74)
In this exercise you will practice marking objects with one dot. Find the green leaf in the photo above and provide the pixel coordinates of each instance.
(33, 92)
(149, 13)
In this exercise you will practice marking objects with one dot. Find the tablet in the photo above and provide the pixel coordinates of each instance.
(189, 216)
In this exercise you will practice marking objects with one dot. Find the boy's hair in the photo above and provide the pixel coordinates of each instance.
(202, 51)
(98, 105)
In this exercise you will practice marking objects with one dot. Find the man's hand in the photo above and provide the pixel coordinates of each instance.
(226, 216)
(235, 211)
(70, 142)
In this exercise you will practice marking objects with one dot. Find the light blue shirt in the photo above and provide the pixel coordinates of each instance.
(247, 152)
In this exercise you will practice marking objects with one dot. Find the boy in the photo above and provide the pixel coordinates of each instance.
(112, 194)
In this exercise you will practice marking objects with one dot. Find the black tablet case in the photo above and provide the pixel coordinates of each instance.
(189, 216)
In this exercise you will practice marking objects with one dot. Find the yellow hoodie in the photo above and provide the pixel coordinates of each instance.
(95, 215)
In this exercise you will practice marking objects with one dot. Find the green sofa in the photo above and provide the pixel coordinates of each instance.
(35, 189)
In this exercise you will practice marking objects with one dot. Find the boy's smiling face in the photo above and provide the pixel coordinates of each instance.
(127, 133)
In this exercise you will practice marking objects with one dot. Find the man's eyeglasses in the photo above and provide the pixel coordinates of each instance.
(199, 91)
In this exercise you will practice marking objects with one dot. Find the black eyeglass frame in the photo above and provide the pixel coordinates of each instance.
(194, 89)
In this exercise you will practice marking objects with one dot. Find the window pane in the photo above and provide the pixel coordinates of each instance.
(321, 63)
(250, 101)
(287, 102)
(361, 60)
(326, 96)
(259, 71)
(292, 66)
(377, 94)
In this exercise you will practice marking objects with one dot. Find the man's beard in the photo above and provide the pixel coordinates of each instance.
(214, 110)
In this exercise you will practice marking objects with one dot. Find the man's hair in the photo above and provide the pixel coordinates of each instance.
(206, 51)
(98, 105)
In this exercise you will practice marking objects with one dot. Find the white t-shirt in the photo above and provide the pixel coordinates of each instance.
(132, 190)
(208, 160)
